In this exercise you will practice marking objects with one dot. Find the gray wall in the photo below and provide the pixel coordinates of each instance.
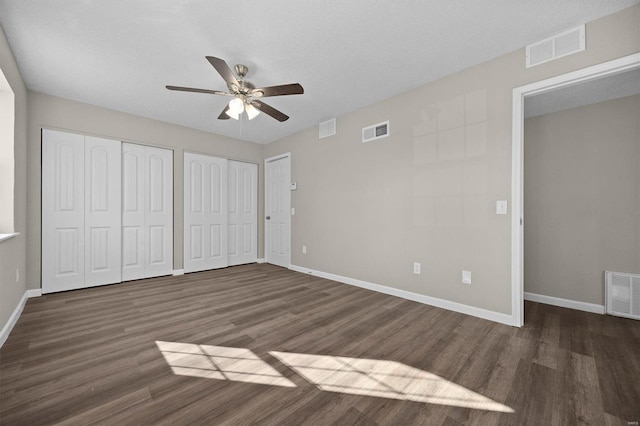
(63, 114)
(582, 198)
(13, 251)
(427, 193)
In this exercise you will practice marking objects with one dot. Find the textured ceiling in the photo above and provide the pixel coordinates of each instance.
(591, 92)
(347, 54)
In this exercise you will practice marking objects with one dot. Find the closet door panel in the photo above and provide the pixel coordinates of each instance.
(133, 211)
(103, 211)
(243, 212)
(63, 193)
(159, 211)
(205, 212)
(147, 211)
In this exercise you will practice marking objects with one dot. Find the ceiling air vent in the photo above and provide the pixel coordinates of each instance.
(563, 44)
(327, 128)
(377, 131)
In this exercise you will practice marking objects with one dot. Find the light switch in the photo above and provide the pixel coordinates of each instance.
(293, 211)
(294, 186)
(501, 207)
(466, 277)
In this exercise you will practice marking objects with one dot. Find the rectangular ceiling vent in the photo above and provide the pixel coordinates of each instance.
(377, 131)
(563, 44)
(327, 128)
(622, 294)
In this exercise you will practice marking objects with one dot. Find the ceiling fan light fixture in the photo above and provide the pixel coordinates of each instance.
(234, 115)
(236, 106)
(252, 112)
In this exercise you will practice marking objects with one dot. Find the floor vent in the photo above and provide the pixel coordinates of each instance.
(377, 131)
(563, 44)
(623, 294)
(327, 128)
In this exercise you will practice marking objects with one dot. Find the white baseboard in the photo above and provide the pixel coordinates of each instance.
(13, 319)
(565, 303)
(177, 272)
(260, 260)
(421, 298)
(34, 293)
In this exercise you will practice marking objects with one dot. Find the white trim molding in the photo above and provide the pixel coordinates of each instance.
(260, 260)
(13, 319)
(177, 272)
(612, 67)
(565, 303)
(421, 298)
(5, 237)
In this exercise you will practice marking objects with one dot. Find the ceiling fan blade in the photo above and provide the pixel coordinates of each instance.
(223, 115)
(192, 89)
(269, 110)
(285, 89)
(224, 70)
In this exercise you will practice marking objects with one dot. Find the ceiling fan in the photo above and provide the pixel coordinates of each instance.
(245, 94)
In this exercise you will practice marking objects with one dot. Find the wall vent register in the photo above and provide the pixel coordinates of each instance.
(563, 44)
(377, 131)
(327, 128)
(622, 294)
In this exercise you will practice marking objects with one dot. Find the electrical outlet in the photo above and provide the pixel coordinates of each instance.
(304, 249)
(417, 268)
(466, 277)
(17, 274)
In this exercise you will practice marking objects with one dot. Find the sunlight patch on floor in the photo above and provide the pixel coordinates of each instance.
(221, 363)
(386, 379)
(356, 376)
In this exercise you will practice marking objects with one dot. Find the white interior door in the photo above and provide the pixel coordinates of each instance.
(103, 212)
(147, 211)
(278, 210)
(63, 195)
(243, 213)
(205, 212)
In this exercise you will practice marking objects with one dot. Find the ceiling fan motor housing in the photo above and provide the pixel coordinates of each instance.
(244, 86)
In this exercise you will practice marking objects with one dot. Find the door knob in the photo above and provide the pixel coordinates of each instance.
(268, 217)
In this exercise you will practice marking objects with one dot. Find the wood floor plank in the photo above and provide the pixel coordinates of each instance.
(95, 356)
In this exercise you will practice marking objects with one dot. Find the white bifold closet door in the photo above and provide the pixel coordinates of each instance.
(220, 212)
(243, 213)
(81, 211)
(205, 212)
(147, 212)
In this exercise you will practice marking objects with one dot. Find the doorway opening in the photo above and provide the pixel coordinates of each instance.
(520, 95)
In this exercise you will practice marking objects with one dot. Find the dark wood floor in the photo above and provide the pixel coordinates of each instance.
(110, 355)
